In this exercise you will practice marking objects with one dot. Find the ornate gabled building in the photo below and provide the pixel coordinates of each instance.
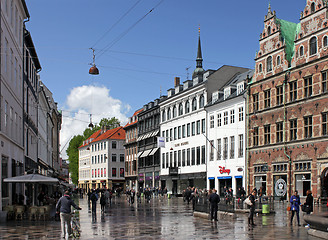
(288, 97)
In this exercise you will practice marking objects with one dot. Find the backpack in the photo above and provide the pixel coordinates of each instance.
(93, 197)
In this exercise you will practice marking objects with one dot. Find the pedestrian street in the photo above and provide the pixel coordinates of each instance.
(159, 219)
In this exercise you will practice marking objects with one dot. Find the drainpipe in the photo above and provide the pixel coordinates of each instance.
(284, 133)
(247, 129)
(0, 75)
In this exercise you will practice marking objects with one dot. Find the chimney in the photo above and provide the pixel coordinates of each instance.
(176, 81)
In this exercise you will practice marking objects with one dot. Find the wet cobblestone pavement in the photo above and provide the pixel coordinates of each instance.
(159, 219)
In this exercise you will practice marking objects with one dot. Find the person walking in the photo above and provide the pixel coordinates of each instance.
(94, 199)
(252, 198)
(103, 202)
(308, 205)
(63, 207)
(214, 200)
(132, 196)
(295, 203)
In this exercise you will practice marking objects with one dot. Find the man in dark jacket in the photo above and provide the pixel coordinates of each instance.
(94, 198)
(252, 198)
(214, 200)
(64, 207)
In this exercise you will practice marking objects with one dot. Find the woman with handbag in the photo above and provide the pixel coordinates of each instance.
(308, 205)
(295, 203)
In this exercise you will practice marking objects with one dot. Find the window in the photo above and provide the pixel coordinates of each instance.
(308, 87)
(188, 157)
(167, 160)
(179, 158)
(121, 157)
(198, 127)
(280, 95)
(219, 149)
(183, 157)
(174, 112)
(175, 133)
(255, 102)
(180, 109)
(201, 101)
(219, 120)
(168, 114)
(324, 124)
(241, 145)
(225, 118)
(278, 60)
(183, 131)
(187, 107)
(194, 104)
(6, 114)
(4, 171)
(267, 134)
(313, 46)
(101, 158)
(179, 132)
(301, 51)
(113, 172)
(256, 137)
(232, 147)
(105, 157)
(203, 126)
(92, 159)
(193, 156)
(240, 88)
(193, 128)
(175, 159)
(113, 145)
(163, 116)
(308, 127)
(203, 155)
(188, 130)
(212, 121)
(260, 68)
(198, 155)
(232, 116)
(121, 172)
(324, 82)
(163, 160)
(293, 129)
(225, 148)
(113, 157)
(267, 98)
(293, 91)
(269, 30)
(325, 41)
(280, 132)
(171, 134)
(212, 150)
(241, 114)
(269, 64)
(313, 7)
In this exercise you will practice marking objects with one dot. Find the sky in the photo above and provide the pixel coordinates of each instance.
(138, 52)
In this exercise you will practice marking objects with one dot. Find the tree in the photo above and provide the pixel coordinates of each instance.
(73, 147)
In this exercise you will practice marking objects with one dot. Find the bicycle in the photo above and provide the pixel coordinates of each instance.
(76, 227)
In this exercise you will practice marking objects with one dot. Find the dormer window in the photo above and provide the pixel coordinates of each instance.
(269, 64)
(313, 7)
(269, 30)
(313, 46)
(226, 93)
(240, 88)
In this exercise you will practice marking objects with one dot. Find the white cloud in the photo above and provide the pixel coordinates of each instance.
(83, 101)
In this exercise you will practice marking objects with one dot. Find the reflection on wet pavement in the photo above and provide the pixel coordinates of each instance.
(160, 219)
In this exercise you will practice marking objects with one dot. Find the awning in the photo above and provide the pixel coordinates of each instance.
(238, 176)
(145, 153)
(139, 153)
(225, 177)
(139, 138)
(31, 178)
(211, 178)
(155, 133)
(154, 150)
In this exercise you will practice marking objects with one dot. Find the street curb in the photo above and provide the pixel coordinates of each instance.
(317, 233)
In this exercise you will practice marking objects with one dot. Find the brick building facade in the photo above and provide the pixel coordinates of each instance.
(288, 106)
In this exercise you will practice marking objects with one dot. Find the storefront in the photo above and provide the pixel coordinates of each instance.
(303, 183)
(224, 183)
(324, 183)
(149, 180)
(261, 181)
(141, 180)
(280, 187)
(156, 176)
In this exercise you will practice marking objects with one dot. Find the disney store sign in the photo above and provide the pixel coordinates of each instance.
(224, 170)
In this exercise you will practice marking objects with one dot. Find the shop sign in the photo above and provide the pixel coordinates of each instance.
(281, 187)
(224, 170)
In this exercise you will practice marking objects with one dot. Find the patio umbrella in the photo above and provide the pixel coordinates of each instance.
(32, 178)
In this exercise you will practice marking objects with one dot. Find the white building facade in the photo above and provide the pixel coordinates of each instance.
(226, 135)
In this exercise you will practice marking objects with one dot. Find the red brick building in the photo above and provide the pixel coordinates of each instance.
(288, 106)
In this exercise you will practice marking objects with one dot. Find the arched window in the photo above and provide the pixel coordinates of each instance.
(325, 41)
(180, 109)
(313, 7)
(260, 68)
(269, 30)
(269, 64)
(313, 46)
(301, 51)
(201, 101)
(194, 104)
(163, 116)
(168, 114)
(278, 61)
(187, 107)
(174, 112)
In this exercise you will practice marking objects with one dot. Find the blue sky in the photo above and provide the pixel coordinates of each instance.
(148, 57)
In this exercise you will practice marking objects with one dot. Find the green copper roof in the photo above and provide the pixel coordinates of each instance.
(288, 32)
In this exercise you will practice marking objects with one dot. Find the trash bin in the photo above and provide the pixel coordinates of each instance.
(168, 196)
(265, 209)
